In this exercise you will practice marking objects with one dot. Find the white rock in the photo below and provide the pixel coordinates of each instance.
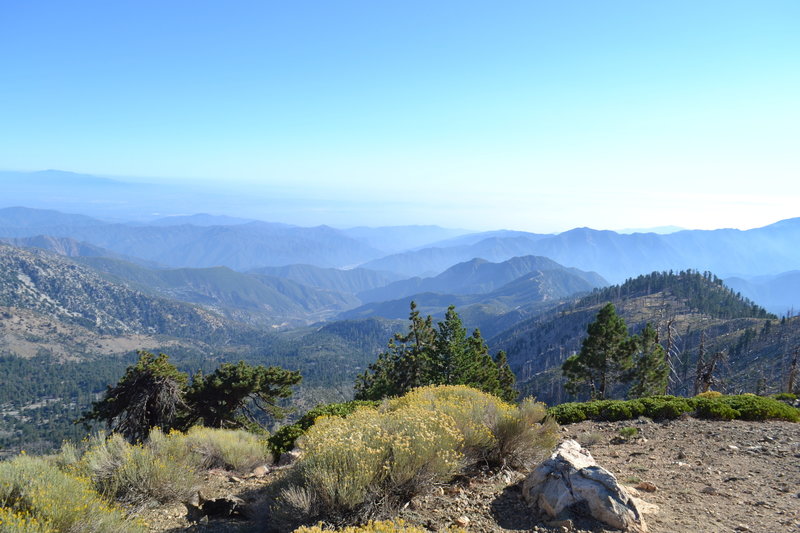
(571, 476)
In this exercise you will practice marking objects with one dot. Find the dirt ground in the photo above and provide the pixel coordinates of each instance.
(697, 476)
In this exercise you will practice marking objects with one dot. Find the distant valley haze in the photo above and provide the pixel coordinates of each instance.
(145, 199)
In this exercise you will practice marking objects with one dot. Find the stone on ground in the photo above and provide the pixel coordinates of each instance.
(570, 480)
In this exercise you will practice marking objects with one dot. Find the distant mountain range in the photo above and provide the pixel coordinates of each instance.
(325, 257)
(479, 276)
(616, 257)
(489, 296)
(778, 293)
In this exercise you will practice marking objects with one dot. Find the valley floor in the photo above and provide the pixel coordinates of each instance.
(708, 476)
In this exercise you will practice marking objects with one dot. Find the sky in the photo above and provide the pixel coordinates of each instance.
(530, 115)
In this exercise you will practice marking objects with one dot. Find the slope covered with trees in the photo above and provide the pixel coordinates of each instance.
(684, 309)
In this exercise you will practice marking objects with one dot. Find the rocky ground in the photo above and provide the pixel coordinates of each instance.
(693, 476)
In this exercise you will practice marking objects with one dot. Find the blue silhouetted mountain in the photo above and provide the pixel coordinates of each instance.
(479, 276)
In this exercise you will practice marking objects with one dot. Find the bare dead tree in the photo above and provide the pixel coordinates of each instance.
(701, 361)
(790, 382)
(706, 379)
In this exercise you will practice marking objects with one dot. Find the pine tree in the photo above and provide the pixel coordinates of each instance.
(605, 356)
(404, 365)
(428, 356)
(506, 378)
(150, 394)
(234, 395)
(650, 370)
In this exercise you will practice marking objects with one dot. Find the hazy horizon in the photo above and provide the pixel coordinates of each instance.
(523, 115)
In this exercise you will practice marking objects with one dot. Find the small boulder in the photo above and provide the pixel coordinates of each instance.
(260, 471)
(462, 521)
(646, 486)
(289, 457)
(571, 479)
(199, 508)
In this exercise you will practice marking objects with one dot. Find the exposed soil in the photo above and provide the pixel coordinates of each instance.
(697, 476)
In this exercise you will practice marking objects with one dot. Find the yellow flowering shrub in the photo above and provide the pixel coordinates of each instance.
(474, 412)
(525, 435)
(13, 521)
(36, 497)
(349, 463)
(382, 526)
(710, 394)
(493, 430)
(385, 456)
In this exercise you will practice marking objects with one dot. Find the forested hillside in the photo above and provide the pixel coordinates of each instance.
(684, 307)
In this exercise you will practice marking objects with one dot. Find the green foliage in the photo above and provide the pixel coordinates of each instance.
(569, 413)
(150, 394)
(785, 396)
(628, 433)
(617, 410)
(718, 407)
(606, 354)
(284, 439)
(752, 407)
(431, 356)
(650, 370)
(665, 407)
(163, 469)
(154, 394)
(711, 409)
(231, 449)
(233, 394)
(36, 497)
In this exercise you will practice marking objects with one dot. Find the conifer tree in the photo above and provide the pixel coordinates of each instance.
(443, 356)
(650, 370)
(505, 377)
(234, 395)
(150, 394)
(606, 354)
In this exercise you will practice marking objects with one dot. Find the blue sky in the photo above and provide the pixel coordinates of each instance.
(536, 115)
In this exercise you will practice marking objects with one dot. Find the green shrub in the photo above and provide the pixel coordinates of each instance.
(664, 407)
(36, 497)
(628, 433)
(231, 449)
(525, 435)
(713, 406)
(569, 413)
(163, 469)
(709, 394)
(752, 407)
(617, 410)
(705, 407)
(284, 439)
(785, 397)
